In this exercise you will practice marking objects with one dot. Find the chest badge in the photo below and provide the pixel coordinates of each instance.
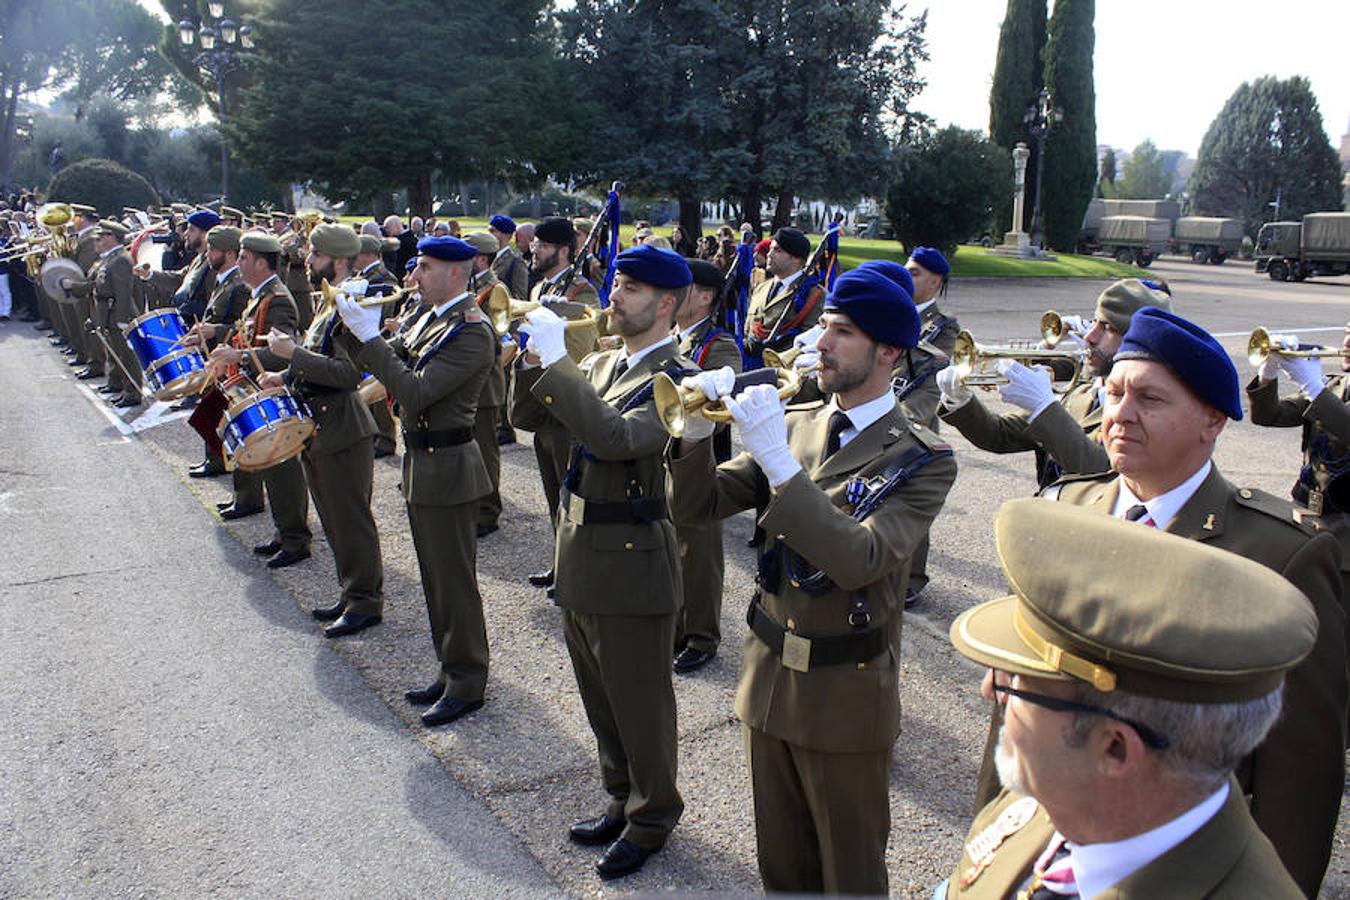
(982, 847)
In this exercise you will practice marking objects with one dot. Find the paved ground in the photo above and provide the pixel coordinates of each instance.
(524, 766)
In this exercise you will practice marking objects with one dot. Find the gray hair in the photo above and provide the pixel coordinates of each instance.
(1206, 741)
(371, 227)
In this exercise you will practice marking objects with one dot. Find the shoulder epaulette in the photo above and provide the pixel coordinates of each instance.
(1274, 507)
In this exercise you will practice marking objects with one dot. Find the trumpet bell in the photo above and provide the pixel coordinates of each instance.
(1260, 345)
(1052, 327)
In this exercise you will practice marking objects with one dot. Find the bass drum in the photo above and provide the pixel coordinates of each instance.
(146, 252)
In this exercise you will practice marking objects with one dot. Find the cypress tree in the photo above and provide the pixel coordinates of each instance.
(1071, 148)
(1018, 77)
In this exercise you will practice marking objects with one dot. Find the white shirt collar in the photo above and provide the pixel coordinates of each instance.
(85, 230)
(791, 279)
(862, 415)
(502, 252)
(923, 306)
(685, 332)
(370, 266)
(441, 310)
(1163, 508)
(110, 251)
(227, 274)
(259, 289)
(637, 357)
(1096, 867)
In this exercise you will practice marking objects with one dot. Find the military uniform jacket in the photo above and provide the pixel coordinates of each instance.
(847, 708)
(1228, 858)
(111, 283)
(1295, 778)
(484, 287)
(196, 284)
(294, 254)
(513, 272)
(323, 373)
(228, 300)
(710, 347)
(85, 254)
(764, 313)
(629, 569)
(1326, 449)
(274, 307)
(437, 386)
(1066, 436)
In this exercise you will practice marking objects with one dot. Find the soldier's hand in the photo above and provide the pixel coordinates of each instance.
(391, 325)
(142, 271)
(226, 356)
(362, 322)
(1027, 388)
(547, 333)
(271, 380)
(1305, 372)
(806, 341)
(715, 383)
(354, 287)
(280, 343)
(763, 424)
(955, 394)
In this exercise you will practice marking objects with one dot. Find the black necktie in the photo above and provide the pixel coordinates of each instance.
(620, 367)
(838, 422)
(773, 291)
(1136, 512)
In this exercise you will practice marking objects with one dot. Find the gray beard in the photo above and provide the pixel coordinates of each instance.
(1005, 762)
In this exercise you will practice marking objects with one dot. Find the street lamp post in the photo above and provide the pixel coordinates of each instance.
(221, 40)
(1040, 118)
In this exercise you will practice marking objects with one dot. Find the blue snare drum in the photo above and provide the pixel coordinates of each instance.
(172, 370)
(264, 429)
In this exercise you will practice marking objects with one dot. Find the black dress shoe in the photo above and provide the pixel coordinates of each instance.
(541, 579)
(85, 374)
(599, 830)
(505, 437)
(427, 695)
(42, 325)
(208, 468)
(107, 389)
(448, 709)
(286, 558)
(224, 504)
(552, 595)
(350, 623)
(188, 402)
(621, 858)
(485, 530)
(126, 401)
(912, 597)
(689, 659)
(233, 511)
(59, 341)
(268, 548)
(329, 613)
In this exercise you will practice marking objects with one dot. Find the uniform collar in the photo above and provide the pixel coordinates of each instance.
(502, 252)
(445, 307)
(1163, 508)
(228, 273)
(687, 332)
(259, 289)
(924, 307)
(368, 268)
(860, 416)
(109, 252)
(637, 357)
(791, 279)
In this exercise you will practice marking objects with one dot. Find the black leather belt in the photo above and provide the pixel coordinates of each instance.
(580, 511)
(425, 439)
(802, 653)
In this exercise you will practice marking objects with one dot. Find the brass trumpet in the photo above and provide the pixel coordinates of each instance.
(33, 247)
(329, 294)
(505, 313)
(1260, 346)
(972, 362)
(675, 403)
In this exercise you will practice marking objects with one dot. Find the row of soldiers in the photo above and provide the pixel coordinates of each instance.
(1168, 701)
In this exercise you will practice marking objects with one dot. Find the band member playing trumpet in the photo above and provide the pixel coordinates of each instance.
(848, 490)
(1064, 432)
(617, 563)
(339, 461)
(435, 371)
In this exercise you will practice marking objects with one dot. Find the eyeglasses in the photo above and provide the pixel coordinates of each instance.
(1150, 737)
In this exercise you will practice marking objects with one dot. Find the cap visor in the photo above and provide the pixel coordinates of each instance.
(986, 634)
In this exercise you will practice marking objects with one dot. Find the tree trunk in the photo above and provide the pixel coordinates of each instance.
(9, 93)
(751, 205)
(782, 211)
(691, 215)
(419, 196)
(464, 199)
(382, 205)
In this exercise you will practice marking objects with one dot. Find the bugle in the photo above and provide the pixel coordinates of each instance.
(1261, 345)
(507, 313)
(676, 403)
(973, 362)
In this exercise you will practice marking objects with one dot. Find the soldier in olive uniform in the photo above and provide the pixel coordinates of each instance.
(1320, 409)
(788, 303)
(270, 307)
(848, 490)
(435, 371)
(294, 274)
(81, 315)
(110, 284)
(229, 297)
(187, 289)
(553, 246)
(698, 628)
(339, 459)
(618, 574)
(1170, 390)
(487, 292)
(1127, 713)
(507, 266)
(370, 267)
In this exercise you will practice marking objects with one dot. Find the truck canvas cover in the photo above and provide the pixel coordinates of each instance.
(1134, 230)
(1153, 209)
(1208, 229)
(1326, 233)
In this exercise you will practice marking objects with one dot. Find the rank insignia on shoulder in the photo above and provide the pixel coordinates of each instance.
(1209, 523)
(893, 431)
(474, 316)
(982, 847)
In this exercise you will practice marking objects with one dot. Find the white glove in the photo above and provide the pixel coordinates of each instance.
(1027, 387)
(354, 287)
(763, 423)
(1305, 372)
(364, 323)
(1075, 328)
(715, 383)
(954, 393)
(697, 428)
(806, 341)
(547, 332)
(1270, 367)
(1284, 341)
(806, 359)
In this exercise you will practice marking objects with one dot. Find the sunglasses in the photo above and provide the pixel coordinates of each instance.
(1150, 737)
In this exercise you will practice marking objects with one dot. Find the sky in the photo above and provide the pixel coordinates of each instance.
(1163, 68)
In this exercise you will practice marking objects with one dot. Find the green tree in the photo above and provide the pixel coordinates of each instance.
(1144, 175)
(103, 184)
(1019, 75)
(944, 188)
(1071, 148)
(1268, 139)
(1106, 182)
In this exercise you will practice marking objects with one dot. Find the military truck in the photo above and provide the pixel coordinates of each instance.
(1134, 239)
(1206, 239)
(1089, 235)
(1293, 251)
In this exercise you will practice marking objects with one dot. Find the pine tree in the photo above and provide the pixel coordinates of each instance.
(1106, 182)
(1071, 148)
(1144, 176)
(1018, 78)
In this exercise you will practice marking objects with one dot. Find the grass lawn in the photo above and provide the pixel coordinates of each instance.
(969, 262)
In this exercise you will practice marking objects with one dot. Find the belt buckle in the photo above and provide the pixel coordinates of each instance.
(576, 510)
(1315, 502)
(796, 652)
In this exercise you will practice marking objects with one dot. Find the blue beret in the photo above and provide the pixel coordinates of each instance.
(410, 264)
(503, 224)
(204, 219)
(877, 305)
(654, 266)
(450, 249)
(932, 260)
(1189, 351)
(894, 271)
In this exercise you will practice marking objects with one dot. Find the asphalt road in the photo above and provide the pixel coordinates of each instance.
(152, 659)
